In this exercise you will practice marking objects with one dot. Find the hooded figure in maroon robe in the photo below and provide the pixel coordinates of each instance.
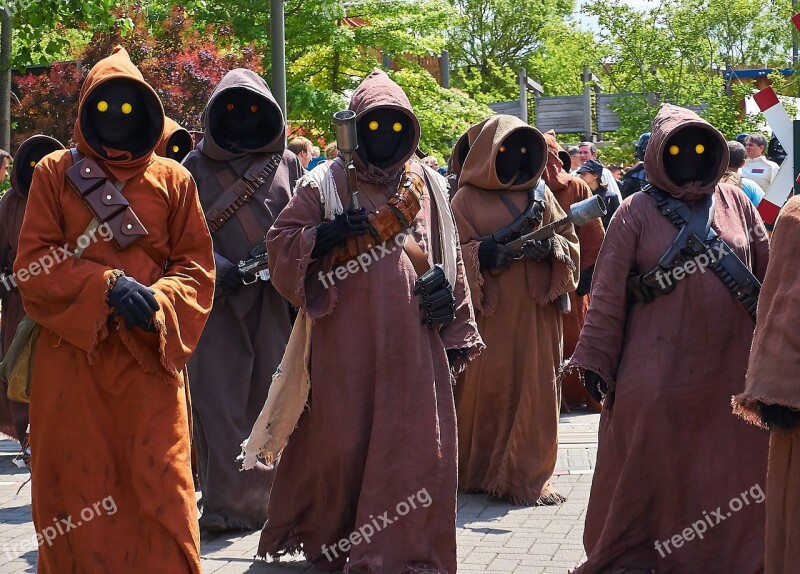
(679, 480)
(250, 322)
(380, 428)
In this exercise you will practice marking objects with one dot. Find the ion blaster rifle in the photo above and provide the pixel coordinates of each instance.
(347, 143)
(258, 264)
(579, 214)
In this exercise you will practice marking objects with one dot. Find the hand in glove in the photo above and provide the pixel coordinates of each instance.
(595, 385)
(779, 416)
(585, 282)
(538, 249)
(331, 233)
(234, 279)
(438, 302)
(492, 254)
(134, 302)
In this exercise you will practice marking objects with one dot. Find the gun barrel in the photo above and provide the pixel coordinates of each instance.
(346, 135)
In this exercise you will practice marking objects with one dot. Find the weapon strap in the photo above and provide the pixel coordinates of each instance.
(524, 222)
(689, 244)
(239, 191)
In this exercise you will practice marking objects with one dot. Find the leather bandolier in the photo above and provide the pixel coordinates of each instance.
(391, 219)
(695, 239)
(108, 206)
(524, 222)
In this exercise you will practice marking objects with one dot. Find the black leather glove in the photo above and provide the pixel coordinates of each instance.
(585, 281)
(234, 279)
(438, 302)
(595, 385)
(539, 249)
(134, 302)
(492, 254)
(778, 416)
(332, 233)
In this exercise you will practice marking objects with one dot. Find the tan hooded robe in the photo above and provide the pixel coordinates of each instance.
(508, 402)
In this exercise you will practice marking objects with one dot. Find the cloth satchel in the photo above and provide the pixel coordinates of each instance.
(16, 367)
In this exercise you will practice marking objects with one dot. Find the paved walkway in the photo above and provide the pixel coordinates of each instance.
(492, 536)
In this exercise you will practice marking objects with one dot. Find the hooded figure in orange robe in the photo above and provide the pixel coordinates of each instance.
(671, 455)
(508, 402)
(13, 414)
(176, 142)
(771, 398)
(568, 190)
(109, 402)
(381, 426)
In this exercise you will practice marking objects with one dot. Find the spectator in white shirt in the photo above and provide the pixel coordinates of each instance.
(587, 151)
(758, 168)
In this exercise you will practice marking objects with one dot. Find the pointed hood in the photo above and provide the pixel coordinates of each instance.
(174, 135)
(28, 155)
(479, 168)
(669, 123)
(122, 164)
(379, 91)
(554, 175)
(274, 142)
(461, 149)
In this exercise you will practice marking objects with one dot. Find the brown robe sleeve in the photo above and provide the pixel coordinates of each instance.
(600, 343)
(772, 372)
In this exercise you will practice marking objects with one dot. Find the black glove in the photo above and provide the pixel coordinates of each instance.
(539, 249)
(134, 302)
(332, 233)
(595, 385)
(438, 301)
(778, 416)
(234, 279)
(492, 254)
(585, 281)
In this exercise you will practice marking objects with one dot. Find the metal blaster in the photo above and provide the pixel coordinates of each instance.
(258, 264)
(347, 143)
(580, 213)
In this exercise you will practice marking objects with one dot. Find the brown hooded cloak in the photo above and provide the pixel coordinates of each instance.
(13, 414)
(508, 401)
(381, 425)
(247, 331)
(109, 414)
(568, 190)
(670, 451)
(772, 379)
(459, 155)
(174, 140)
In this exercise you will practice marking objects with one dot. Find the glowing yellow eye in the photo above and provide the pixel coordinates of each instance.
(699, 148)
(102, 106)
(397, 126)
(229, 107)
(502, 149)
(175, 149)
(127, 108)
(373, 125)
(523, 150)
(254, 108)
(673, 150)
(33, 164)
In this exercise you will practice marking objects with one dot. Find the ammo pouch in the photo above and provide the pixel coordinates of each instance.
(395, 216)
(105, 200)
(695, 238)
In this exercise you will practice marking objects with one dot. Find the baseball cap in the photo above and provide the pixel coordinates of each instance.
(591, 166)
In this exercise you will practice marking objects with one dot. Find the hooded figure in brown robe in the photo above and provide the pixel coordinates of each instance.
(13, 414)
(109, 414)
(176, 142)
(250, 323)
(381, 425)
(771, 398)
(679, 480)
(568, 190)
(508, 401)
(459, 155)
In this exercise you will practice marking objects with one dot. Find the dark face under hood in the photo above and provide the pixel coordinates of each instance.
(28, 155)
